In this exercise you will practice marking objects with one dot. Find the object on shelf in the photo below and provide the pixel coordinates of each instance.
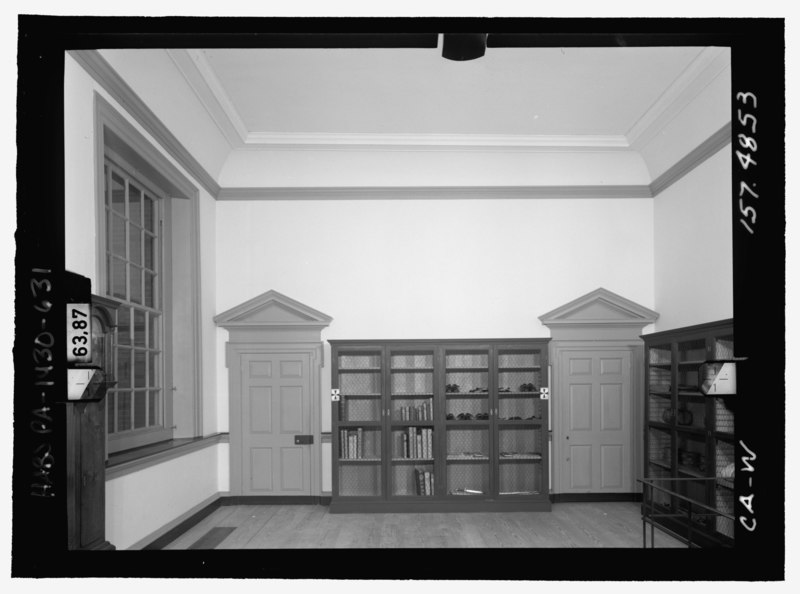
(451, 388)
(503, 390)
(462, 491)
(528, 388)
(685, 416)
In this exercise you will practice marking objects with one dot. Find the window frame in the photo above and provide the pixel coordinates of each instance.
(117, 136)
(160, 431)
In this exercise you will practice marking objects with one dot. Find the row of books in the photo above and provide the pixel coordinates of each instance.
(415, 442)
(423, 479)
(422, 412)
(351, 443)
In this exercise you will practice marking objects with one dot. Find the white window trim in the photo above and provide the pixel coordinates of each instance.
(148, 162)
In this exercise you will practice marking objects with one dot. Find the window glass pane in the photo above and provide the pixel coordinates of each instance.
(135, 204)
(150, 289)
(149, 213)
(116, 236)
(110, 411)
(149, 251)
(139, 409)
(135, 234)
(118, 278)
(152, 341)
(117, 193)
(123, 368)
(152, 408)
(124, 325)
(153, 359)
(123, 411)
(139, 337)
(139, 368)
(136, 284)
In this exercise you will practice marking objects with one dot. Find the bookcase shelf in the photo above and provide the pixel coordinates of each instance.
(687, 434)
(414, 458)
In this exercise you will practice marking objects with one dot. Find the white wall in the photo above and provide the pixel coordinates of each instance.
(142, 503)
(693, 246)
(431, 269)
(435, 167)
(146, 491)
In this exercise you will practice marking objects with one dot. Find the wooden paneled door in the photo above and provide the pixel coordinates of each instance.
(596, 422)
(275, 408)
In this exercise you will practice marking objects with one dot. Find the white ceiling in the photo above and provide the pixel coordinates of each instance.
(588, 92)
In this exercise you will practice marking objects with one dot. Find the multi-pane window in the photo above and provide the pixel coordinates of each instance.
(133, 276)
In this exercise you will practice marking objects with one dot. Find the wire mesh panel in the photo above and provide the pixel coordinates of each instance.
(412, 360)
(360, 383)
(520, 477)
(359, 408)
(520, 408)
(723, 416)
(725, 464)
(723, 347)
(412, 479)
(467, 409)
(412, 383)
(360, 361)
(691, 412)
(660, 409)
(467, 443)
(468, 478)
(692, 351)
(659, 447)
(467, 382)
(660, 379)
(659, 497)
(723, 501)
(692, 455)
(660, 354)
(520, 442)
(519, 358)
(360, 479)
(519, 381)
(466, 359)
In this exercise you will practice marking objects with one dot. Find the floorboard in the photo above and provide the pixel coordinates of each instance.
(568, 525)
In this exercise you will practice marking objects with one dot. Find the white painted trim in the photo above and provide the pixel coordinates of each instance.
(432, 192)
(103, 73)
(373, 141)
(700, 73)
(200, 77)
(708, 148)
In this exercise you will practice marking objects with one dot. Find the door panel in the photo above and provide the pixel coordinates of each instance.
(596, 413)
(276, 405)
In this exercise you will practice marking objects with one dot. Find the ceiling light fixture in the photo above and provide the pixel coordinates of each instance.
(463, 46)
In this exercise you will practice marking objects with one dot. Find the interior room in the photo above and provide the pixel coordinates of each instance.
(450, 278)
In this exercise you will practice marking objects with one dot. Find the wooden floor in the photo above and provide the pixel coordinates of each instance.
(568, 525)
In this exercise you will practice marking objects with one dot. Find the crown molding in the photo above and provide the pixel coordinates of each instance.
(200, 77)
(432, 192)
(701, 72)
(448, 142)
(709, 147)
(102, 72)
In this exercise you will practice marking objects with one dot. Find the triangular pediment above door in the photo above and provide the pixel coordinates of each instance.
(272, 309)
(597, 310)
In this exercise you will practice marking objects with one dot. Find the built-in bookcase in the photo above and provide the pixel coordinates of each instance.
(689, 435)
(438, 425)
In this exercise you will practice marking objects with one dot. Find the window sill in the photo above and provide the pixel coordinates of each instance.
(129, 461)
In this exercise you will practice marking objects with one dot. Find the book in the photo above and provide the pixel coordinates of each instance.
(418, 439)
(420, 481)
(360, 443)
(427, 490)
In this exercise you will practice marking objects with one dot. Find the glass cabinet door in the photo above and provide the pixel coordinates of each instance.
(521, 420)
(360, 433)
(411, 423)
(467, 422)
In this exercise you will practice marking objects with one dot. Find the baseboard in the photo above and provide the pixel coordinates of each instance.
(172, 530)
(587, 497)
(273, 500)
